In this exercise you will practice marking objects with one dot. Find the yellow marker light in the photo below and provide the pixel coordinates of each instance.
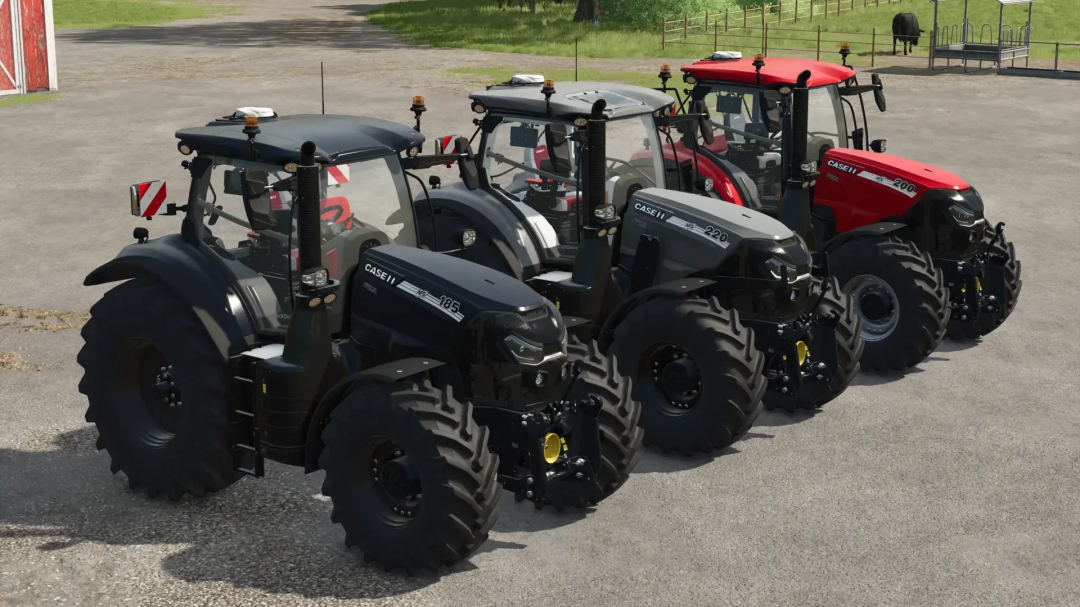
(759, 57)
(844, 46)
(665, 69)
(418, 100)
(552, 447)
(804, 352)
(549, 84)
(251, 121)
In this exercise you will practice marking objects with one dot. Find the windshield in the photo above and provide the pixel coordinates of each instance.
(537, 165)
(363, 204)
(748, 131)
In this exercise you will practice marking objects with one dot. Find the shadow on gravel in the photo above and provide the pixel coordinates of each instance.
(773, 419)
(272, 534)
(307, 33)
(653, 460)
(903, 70)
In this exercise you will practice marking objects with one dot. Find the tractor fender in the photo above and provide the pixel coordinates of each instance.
(381, 374)
(492, 220)
(681, 287)
(194, 279)
(883, 228)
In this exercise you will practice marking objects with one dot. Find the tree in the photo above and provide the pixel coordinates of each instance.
(587, 10)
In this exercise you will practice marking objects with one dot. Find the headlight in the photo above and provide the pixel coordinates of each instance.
(318, 278)
(963, 216)
(709, 185)
(524, 351)
(605, 213)
(776, 267)
(556, 319)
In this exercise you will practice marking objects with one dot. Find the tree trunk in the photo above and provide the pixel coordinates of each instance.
(587, 11)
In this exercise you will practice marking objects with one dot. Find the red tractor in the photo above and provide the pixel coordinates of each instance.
(907, 239)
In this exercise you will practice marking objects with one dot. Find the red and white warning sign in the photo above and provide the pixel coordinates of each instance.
(147, 198)
(337, 175)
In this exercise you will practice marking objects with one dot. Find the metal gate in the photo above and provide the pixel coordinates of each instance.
(27, 48)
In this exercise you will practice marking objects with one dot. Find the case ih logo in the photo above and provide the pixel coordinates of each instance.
(843, 167)
(650, 211)
(380, 273)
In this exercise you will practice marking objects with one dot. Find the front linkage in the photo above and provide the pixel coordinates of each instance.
(533, 453)
(976, 286)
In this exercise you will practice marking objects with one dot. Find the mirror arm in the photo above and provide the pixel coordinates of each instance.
(420, 163)
(505, 160)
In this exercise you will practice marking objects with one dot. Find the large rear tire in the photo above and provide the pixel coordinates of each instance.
(849, 349)
(620, 436)
(899, 295)
(158, 391)
(696, 372)
(410, 475)
(1003, 256)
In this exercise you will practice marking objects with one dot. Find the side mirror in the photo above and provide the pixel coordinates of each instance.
(879, 92)
(255, 188)
(707, 136)
(857, 137)
(558, 149)
(467, 165)
(878, 145)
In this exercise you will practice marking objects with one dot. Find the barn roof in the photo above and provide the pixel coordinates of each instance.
(777, 71)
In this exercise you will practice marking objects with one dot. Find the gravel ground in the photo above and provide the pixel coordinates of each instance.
(953, 485)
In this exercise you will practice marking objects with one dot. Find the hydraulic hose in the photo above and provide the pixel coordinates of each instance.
(307, 220)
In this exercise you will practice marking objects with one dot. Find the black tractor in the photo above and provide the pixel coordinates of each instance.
(326, 339)
(709, 310)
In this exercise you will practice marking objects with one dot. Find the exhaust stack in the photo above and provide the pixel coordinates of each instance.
(802, 175)
(592, 267)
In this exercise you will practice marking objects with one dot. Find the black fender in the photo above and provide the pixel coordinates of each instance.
(883, 228)
(381, 374)
(493, 221)
(679, 287)
(195, 280)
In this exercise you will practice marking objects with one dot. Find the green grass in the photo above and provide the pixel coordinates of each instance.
(29, 99)
(479, 24)
(70, 14)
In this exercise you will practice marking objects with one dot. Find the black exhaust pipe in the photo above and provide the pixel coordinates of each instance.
(286, 387)
(592, 267)
(795, 207)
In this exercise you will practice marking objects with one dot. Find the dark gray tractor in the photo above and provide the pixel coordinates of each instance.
(418, 382)
(708, 310)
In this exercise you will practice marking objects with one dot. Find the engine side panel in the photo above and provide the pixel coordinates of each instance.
(696, 234)
(863, 187)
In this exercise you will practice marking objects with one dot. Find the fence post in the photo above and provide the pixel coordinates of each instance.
(796, 11)
(1057, 53)
(766, 43)
(663, 34)
(819, 40)
(827, 9)
(726, 13)
(716, 36)
(811, 11)
(838, 7)
(764, 12)
(685, 24)
(873, 47)
(706, 22)
(744, 16)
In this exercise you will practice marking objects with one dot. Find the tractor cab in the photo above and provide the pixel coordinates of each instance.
(746, 100)
(364, 199)
(531, 158)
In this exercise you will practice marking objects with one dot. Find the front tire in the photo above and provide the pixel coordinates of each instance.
(1002, 258)
(849, 349)
(696, 372)
(410, 475)
(158, 391)
(899, 295)
(620, 436)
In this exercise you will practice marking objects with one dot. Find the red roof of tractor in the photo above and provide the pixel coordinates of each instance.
(777, 71)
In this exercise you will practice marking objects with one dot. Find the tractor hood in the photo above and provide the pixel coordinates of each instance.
(892, 168)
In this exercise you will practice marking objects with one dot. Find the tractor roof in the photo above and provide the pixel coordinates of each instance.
(337, 138)
(776, 72)
(572, 99)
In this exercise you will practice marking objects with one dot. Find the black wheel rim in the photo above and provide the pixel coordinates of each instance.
(674, 375)
(148, 392)
(395, 478)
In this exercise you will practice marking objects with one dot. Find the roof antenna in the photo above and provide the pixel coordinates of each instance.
(322, 87)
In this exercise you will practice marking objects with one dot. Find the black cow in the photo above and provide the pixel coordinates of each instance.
(905, 28)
